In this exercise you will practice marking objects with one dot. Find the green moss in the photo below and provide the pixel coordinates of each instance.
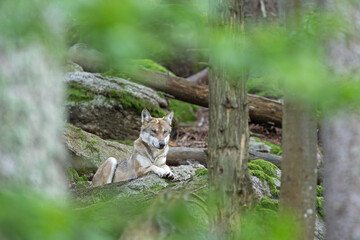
(185, 112)
(275, 148)
(320, 206)
(145, 63)
(151, 65)
(269, 203)
(82, 184)
(78, 131)
(319, 191)
(72, 174)
(264, 177)
(170, 183)
(201, 172)
(116, 74)
(129, 101)
(253, 166)
(161, 94)
(264, 86)
(76, 92)
(90, 144)
(156, 188)
(267, 167)
(126, 142)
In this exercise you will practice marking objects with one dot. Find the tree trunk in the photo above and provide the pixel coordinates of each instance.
(229, 179)
(261, 109)
(341, 134)
(299, 142)
(298, 178)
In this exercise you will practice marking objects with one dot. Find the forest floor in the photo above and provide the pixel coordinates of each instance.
(196, 135)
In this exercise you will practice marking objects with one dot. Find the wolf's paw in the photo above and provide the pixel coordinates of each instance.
(160, 172)
(169, 175)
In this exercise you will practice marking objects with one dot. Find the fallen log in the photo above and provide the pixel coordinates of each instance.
(261, 109)
(179, 155)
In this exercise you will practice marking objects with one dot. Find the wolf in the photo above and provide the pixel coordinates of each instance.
(149, 153)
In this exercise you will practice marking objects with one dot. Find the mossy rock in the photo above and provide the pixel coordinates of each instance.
(110, 107)
(266, 172)
(275, 148)
(88, 151)
(184, 112)
(267, 167)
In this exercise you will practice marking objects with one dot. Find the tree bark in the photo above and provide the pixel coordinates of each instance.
(299, 142)
(341, 133)
(261, 109)
(230, 186)
(298, 178)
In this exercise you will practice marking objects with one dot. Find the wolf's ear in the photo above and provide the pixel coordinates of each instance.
(145, 116)
(169, 117)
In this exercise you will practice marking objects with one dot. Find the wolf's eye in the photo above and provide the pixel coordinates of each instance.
(165, 132)
(153, 130)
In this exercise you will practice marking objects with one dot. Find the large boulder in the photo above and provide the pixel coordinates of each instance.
(88, 151)
(109, 107)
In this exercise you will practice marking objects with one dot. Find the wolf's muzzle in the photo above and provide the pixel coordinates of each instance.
(161, 145)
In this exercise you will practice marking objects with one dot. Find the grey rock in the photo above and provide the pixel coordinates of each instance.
(73, 67)
(261, 190)
(103, 115)
(259, 146)
(88, 151)
(320, 230)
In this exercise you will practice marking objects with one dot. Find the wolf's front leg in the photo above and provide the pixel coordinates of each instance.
(169, 173)
(161, 172)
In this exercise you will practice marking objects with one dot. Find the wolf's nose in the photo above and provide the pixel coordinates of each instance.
(161, 144)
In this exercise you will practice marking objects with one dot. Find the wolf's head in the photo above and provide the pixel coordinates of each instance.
(156, 131)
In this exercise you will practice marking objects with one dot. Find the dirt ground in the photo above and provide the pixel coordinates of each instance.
(196, 135)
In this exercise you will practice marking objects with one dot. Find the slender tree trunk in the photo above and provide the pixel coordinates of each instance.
(229, 179)
(298, 180)
(299, 142)
(341, 134)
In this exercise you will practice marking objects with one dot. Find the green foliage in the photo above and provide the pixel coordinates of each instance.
(263, 86)
(30, 216)
(319, 191)
(275, 148)
(264, 223)
(185, 112)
